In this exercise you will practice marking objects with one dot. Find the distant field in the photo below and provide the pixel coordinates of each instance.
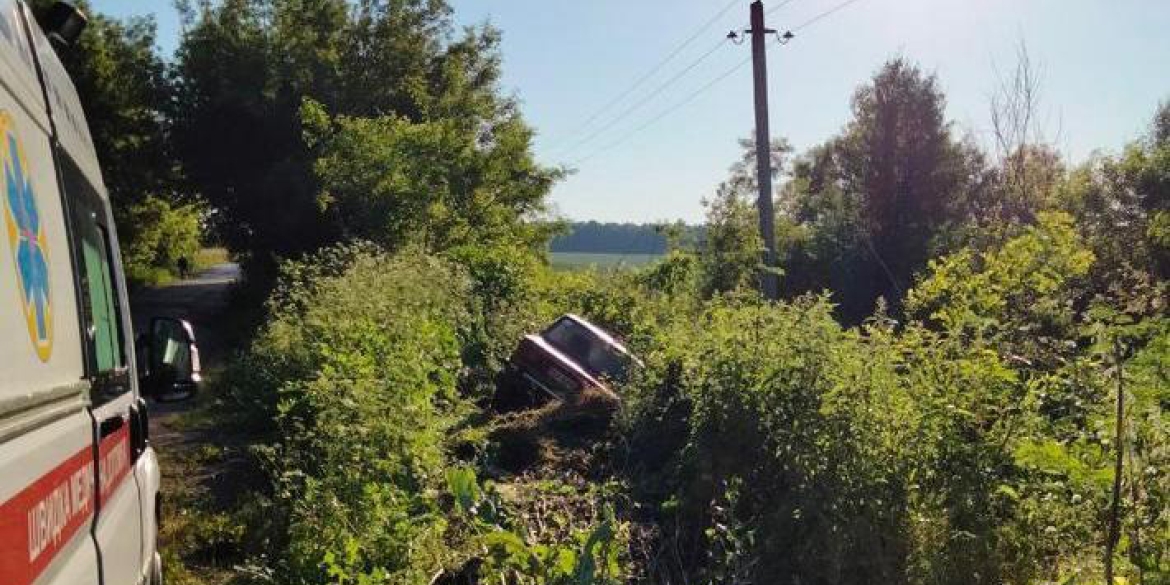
(208, 257)
(583, 260)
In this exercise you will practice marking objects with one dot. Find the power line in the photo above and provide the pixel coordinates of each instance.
(778, 7)
(822, 15)
(666, 112)
(646, 98)
(710, 84)
(658, 66)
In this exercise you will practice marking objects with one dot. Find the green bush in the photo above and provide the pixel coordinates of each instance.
(363, 379)
(357, 371)
(156, 235)
(975, 448)
(761, 441)
(808, 420)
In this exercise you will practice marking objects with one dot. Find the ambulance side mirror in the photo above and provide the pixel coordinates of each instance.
(64, 23)
(171, 359)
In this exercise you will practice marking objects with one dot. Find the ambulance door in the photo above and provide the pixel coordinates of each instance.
(118, 528)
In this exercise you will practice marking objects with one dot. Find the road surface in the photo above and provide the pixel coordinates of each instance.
(201, 301)
(197, 460)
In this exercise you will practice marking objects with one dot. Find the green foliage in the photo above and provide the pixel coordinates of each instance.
(867, 210)
(123, 84)
(676, 274)
(782, 401)
(361, 377)
(1120, 205)
(590, 559)
(1160, 130)
(975, 447)
(435, 184)
(157, 234)
(372, 120)
(974, 441)
(732, 250)
(1023, 286)
(589, 554)
(761, 441)
(357, 369)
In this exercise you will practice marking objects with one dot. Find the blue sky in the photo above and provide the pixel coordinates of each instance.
(1105, 66)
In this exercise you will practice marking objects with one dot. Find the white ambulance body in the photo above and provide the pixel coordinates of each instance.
(79, 482)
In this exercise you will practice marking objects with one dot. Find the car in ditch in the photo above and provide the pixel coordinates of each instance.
(567, 359)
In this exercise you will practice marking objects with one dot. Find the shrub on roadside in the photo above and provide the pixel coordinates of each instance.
(364, 379)
(357, 370)
(777, 446)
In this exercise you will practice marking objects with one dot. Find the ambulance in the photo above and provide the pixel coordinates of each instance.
(79, 480)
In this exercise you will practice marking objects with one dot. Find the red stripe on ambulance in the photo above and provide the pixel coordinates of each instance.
(38, 522)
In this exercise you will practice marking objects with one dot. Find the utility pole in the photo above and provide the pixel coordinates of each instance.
(769, 283)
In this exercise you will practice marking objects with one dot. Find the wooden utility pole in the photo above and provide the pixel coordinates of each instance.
(769, 283)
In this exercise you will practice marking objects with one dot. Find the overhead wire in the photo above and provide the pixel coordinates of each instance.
(823, 15)
(692, 97)
(777, 7)
(662, 87)
(657, 66)
(646, 98)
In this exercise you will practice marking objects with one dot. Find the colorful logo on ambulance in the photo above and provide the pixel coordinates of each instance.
(27, 240)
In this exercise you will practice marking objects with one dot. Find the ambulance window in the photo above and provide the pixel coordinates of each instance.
(105, 331)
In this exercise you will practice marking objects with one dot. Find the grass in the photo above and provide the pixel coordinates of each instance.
(208, 257)
(153, 276)
(195, 531)
(585, 260)
(159, 276)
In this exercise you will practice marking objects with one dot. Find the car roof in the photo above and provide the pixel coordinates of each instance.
(599, 332)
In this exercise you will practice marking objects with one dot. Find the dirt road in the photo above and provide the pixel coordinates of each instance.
(194, 460)
(201, 301)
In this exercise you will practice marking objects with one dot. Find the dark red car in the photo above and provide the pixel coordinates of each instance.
(568, 357)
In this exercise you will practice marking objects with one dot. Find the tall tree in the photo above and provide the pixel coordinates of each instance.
(237, 133)
(819, 233)
(731, 249)
(1160, 132)
(432, 184)
(1122, 204)
(376, 70)
(125, 91)
(897, 177)
(899, 157)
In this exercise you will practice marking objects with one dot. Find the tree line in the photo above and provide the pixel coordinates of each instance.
(624, 238)
(865, 213)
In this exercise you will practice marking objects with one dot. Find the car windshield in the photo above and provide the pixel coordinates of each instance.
(587, 349)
